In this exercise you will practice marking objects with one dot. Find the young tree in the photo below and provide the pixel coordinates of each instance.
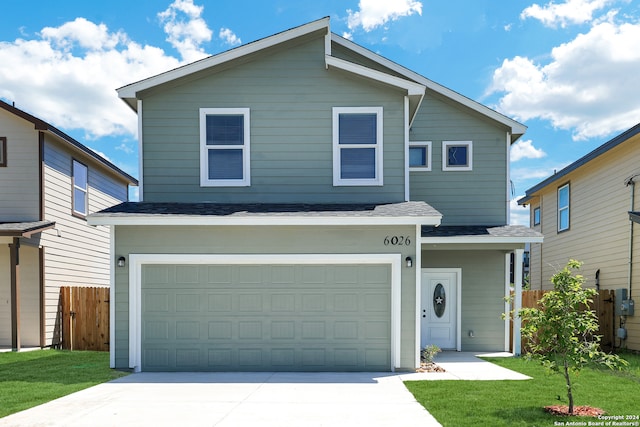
(562, 332)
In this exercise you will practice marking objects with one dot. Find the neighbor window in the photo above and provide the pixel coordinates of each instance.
(536, 216)
(357, 146)
(3, 151)
(80, 187)
(224, 147)
(457, 155)
(420, 156)
(563, 207)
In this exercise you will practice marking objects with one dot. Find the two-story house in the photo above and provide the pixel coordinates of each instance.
(49, 183)
(583, 211)
(307, 204)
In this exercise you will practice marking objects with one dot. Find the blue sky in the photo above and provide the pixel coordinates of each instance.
(567, 69)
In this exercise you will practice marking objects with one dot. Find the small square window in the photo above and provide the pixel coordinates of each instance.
(3, 151)
(420, 156)
(536, 216)
(457, 155)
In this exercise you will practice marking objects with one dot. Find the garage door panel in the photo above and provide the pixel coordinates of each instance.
(278, 318)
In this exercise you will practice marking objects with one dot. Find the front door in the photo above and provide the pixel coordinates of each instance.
(438, 310)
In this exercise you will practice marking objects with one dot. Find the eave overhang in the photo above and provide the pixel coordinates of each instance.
(211, 214)
(24, 229)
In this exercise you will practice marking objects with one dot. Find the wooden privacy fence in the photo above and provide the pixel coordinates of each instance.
(85, 318)
(603, 305)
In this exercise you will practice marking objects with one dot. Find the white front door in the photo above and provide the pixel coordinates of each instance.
(438, 310)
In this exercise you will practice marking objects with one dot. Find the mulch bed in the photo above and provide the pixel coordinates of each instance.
(429, 367)
(579, 411)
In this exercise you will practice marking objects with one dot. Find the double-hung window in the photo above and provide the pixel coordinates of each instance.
(563, 207)
(357, 146)
(224, 147)
(80, 177)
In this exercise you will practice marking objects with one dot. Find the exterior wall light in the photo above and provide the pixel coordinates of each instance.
(409, 261)
(121, 261)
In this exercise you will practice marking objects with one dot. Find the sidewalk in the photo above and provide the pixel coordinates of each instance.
(466, 366)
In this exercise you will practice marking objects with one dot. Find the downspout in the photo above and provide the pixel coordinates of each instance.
(632, 185)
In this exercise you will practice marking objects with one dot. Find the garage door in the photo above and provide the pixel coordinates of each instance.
(266, 317)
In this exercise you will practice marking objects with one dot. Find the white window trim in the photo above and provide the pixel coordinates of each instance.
(533, 217)
(446, 145)
(85, 189)
(567, 208)
(246, 151)
(427, 145)
(337, 180)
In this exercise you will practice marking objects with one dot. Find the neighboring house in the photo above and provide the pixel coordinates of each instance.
(310, 205)
(583, 212)
(49, 183)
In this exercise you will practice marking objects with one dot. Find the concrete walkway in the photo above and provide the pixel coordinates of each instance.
(254, 399)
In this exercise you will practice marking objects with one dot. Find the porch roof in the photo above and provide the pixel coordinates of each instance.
(24, 229)
(480, 234)
(148, 213)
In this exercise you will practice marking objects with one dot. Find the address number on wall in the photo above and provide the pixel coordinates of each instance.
(397, 241)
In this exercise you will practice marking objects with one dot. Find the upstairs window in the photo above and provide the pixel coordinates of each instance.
(224, 147)
(80, 178)
(536, 216)
(563, 207)
(3, 151)
(357, 146)
(420, 156)
(457, 155)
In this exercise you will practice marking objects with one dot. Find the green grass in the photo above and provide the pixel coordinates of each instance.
(31, 378)
(521, 403)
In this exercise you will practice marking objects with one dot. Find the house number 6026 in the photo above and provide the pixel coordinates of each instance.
(397, 241)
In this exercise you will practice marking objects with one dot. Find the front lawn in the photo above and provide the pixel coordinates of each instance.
(521, 403)
(31, 378)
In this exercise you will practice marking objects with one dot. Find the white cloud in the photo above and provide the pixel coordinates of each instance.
(519, 215)
(589, 86)
(524, 149)
(565, 13)
(375, 13)
(185, 28)
(68, 76)
(229, 37)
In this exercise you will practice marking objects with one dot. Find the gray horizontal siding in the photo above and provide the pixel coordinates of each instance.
(291, 95)
(483, 288)
(466, 197)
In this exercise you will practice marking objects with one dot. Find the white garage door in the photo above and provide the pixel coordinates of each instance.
(266, 317)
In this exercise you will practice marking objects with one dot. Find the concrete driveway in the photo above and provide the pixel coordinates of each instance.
(235, 399)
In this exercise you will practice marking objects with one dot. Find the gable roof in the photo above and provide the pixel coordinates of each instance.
(71, 143)
(623, 137)
(405, 79)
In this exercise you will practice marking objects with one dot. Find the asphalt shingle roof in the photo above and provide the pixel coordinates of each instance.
(480, 231)
(24, 229)
(405, 209)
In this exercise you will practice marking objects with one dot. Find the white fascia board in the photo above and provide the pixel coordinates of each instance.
(130, 90)
(516, 128)
(412, 88)
(271, 221)
(480, 240)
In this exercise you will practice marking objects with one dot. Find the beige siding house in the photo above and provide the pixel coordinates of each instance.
(583, 212)
(49, 183)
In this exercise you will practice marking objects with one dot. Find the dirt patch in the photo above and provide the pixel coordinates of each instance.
(579, 411)
(430, 367)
